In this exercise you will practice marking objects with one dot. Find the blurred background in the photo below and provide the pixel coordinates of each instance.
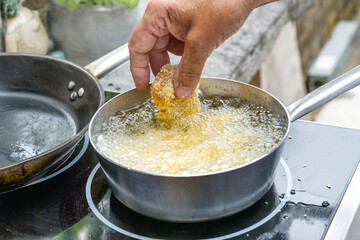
(328, 28)
(309, 50)
(325, 41)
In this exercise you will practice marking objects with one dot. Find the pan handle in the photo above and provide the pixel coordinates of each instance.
(109, 62)
(324, 94)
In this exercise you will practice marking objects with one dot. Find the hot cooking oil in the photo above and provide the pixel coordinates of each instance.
(225, 133)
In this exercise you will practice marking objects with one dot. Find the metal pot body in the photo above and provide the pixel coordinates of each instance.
(199, 197)
(90, 31)
(195, 198)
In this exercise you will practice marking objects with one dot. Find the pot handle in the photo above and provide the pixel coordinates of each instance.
(109, 62)
(324, 94)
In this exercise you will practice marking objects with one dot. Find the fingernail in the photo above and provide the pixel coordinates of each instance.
(183, 92)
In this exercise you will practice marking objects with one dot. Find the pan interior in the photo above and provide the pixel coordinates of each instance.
(32, 124)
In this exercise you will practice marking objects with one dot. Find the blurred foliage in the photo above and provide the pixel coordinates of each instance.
(9, 8)
(73, 4)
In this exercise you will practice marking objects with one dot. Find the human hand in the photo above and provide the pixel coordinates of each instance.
(188, 28)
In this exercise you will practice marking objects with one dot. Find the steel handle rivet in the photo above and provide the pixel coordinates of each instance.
(81, 92)
(73, 96)
(71, 85)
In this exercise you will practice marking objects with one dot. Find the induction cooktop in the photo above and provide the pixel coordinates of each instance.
(75, 202)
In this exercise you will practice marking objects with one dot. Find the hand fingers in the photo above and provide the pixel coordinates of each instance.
(175, 46)
(158, 59)
(140, 70)
(187, 76)
(159, 55)
(140, 44)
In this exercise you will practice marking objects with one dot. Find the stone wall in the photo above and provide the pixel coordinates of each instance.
(315, 26)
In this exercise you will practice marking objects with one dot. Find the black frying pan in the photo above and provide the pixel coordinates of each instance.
(46, 105)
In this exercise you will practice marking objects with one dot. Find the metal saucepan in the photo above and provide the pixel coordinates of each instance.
(213, 195)
(46, 105)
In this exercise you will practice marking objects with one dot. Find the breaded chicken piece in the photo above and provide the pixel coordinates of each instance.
(162, 92)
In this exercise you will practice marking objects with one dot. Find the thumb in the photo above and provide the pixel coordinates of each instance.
(188, 73)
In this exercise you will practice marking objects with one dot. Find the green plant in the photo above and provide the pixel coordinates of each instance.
(73, 4)
(9, 8)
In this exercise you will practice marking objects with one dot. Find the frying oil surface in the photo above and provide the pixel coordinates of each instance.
(225, 133)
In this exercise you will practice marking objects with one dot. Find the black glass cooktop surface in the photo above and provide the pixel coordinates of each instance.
(75, 202)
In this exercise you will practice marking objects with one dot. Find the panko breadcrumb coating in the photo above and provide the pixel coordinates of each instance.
(171, 107)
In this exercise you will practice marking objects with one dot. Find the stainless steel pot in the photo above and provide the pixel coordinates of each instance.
(214, 195)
